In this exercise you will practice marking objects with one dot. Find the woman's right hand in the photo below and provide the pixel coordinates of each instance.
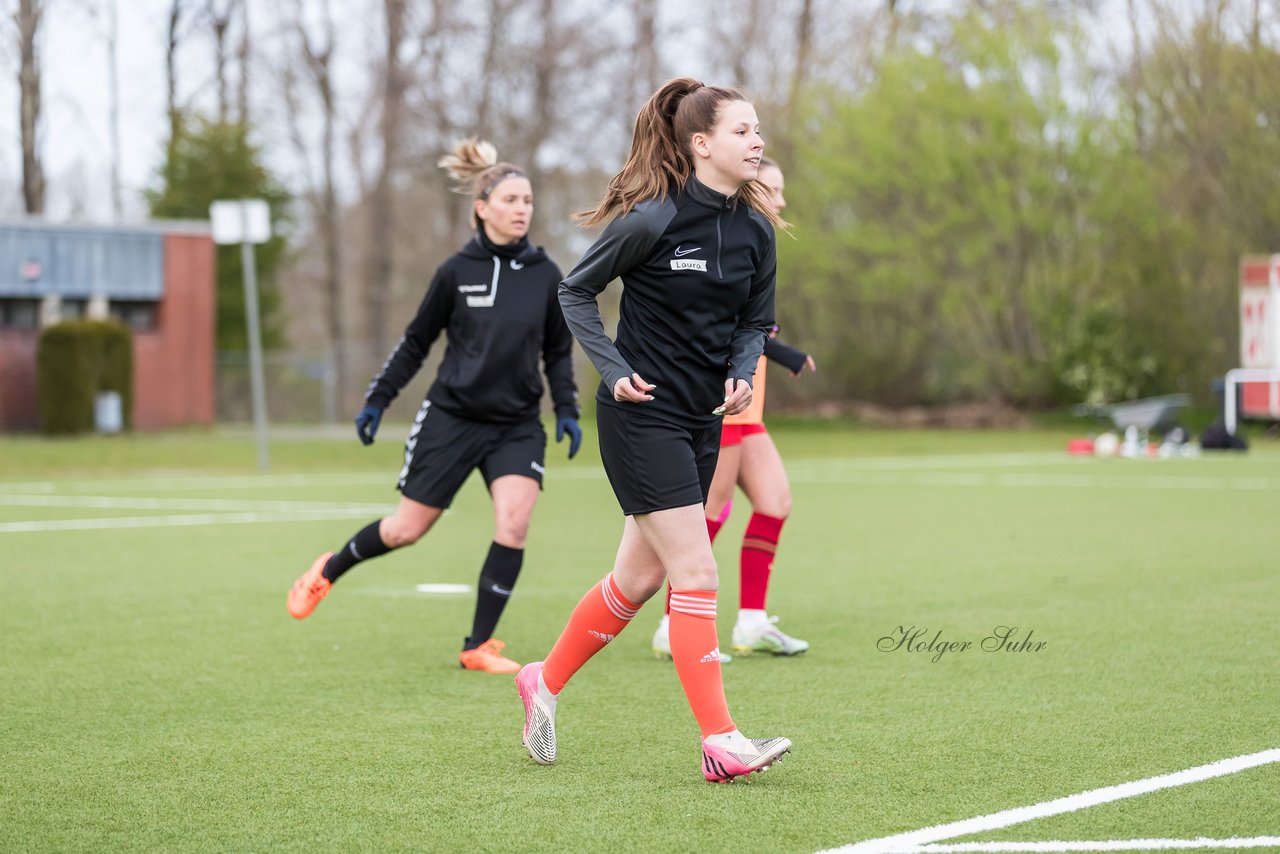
(632, 389)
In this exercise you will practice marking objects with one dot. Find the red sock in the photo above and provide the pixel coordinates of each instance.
(759, 544)
(598, 618)
(696, 653)
(714, 525)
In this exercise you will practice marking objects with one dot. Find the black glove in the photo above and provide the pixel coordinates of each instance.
(367, 423)
(784, 354)
(569, 425)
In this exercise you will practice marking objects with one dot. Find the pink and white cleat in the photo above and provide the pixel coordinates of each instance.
(539, 735)
(732, 755)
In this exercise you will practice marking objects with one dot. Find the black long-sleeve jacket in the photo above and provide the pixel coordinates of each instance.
(498, 306)
(784, 354)
(698, 272)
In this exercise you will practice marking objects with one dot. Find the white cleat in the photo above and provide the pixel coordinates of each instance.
(766, 638)
(661, 645)
(733, 756)
(539, 735)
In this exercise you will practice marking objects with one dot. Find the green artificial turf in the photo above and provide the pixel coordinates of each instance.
(157, 696)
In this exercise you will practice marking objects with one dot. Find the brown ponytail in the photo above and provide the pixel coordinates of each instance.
(660, 161)
(473, 165)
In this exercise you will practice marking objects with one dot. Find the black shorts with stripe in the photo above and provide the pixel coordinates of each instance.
(653, 464)
(443, 449)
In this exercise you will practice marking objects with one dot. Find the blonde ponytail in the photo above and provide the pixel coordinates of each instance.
(474, 167)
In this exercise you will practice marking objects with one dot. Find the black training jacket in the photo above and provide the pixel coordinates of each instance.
(498, 305)
(698, 271)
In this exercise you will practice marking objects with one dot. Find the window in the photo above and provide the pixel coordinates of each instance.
(19, 313)
(138, 316)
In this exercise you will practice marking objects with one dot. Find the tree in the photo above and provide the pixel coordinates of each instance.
(382, 200)
(210, 161)
(943, 248)
(317, 51)
(221, 15)
(105, 15)
(1208, 118)
(28, 19)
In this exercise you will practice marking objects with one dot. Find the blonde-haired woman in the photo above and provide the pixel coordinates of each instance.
(691, 234)
(496, 299)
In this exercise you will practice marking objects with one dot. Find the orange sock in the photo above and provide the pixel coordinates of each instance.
(598, 618)
(696, 653)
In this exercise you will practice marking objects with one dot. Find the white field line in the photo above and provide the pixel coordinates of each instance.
(916, 841)
(195, 484)
(922, 470)
(119, 522)
(106, 502)
(1051, 481)
(950, 461)
(1109, 845)
(152, 483)
(192, 482)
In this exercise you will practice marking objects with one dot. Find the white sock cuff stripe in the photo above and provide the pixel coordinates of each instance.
(616, 605)
(693, 605)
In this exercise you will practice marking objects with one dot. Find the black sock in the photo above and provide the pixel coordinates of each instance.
(497, 579)
(365, 544)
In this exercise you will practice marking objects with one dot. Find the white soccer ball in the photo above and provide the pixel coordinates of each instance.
(1106, 445)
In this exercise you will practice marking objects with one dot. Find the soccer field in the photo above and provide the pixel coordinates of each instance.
(155, 695)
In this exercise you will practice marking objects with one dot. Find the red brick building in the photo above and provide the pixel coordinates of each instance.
(158, 279)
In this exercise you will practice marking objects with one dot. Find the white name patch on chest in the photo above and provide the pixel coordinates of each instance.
(688, 264)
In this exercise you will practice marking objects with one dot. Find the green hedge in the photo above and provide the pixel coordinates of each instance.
(74, 362)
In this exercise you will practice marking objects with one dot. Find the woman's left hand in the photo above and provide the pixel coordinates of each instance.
(808, 363)
(737, 397)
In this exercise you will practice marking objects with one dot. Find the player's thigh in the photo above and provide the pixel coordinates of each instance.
(514, 497)
(763, 477)
(724, 480)
(679, 539)
(636, 569)
(409, 523)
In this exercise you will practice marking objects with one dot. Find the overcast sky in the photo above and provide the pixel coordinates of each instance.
(76, 138)
(75, 128)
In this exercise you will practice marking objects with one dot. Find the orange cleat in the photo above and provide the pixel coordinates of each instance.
(308, 590)
(488, 657)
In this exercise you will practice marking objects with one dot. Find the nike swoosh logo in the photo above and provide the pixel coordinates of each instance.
(501, 591)
(680, 254)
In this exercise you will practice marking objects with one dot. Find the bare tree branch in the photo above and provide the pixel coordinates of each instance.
(28, 18)
(382, 218)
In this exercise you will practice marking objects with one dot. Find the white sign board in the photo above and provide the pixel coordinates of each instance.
(1259, 374)
(240, 221)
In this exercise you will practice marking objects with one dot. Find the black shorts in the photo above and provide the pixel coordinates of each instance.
(443, 449)
(652, 464)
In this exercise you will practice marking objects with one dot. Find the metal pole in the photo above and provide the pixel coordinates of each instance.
(256, 383)
(1235, 377)
(331, 384)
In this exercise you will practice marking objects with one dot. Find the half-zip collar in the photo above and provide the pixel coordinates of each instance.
(521, 252)
(704, 195)
(700, 193)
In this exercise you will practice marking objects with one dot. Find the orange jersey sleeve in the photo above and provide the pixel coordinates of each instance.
(754, 414)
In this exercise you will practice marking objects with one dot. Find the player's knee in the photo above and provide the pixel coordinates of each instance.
(512, 529)
(648, 586)
(397, 532)
(777, 505)
(702, 575)
(639, 584)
